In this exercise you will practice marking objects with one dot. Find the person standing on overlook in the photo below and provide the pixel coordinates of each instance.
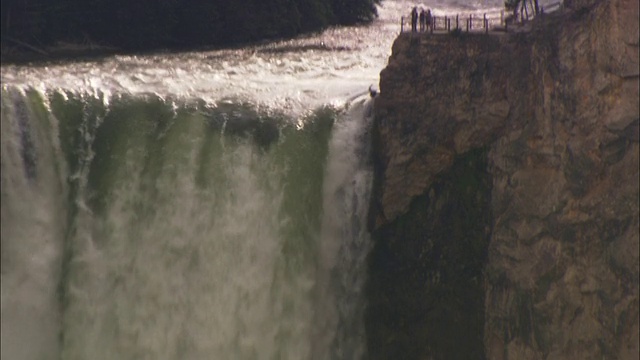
(429, 20)
(414, 18)
(422, 17)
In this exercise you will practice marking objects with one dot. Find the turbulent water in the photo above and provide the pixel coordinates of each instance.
(206, 205)
(150, 229)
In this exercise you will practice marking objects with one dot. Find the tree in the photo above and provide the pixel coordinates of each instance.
(154, 24)
(354, 11)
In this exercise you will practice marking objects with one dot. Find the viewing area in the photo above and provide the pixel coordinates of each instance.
(495, 21)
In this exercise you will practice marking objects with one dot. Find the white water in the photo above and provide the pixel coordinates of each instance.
(295, 75)
(234, 269)
(32, 229)
(239, 267)
(340, 284)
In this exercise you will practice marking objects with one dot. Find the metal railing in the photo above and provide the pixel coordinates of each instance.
(474, 22)
(461, 22)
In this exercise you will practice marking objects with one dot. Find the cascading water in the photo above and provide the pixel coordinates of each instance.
(144, 228)
(33, 229)
(345, 241)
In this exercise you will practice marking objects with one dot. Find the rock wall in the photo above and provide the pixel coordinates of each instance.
(426, 295)
(557, 108)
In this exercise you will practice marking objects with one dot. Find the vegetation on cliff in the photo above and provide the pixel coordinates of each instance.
(152, 24)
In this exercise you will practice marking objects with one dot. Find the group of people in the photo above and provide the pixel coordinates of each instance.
(426, 20)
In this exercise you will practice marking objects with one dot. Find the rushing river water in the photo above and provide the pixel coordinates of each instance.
(203, 205)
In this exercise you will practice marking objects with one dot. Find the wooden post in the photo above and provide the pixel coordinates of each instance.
(486, 23)
(402, 24)
(449, 25)
(457, 23)
(470, 26)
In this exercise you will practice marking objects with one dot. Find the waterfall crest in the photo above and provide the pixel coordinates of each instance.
(137, 227)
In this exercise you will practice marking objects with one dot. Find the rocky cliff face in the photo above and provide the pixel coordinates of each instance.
(505, 209)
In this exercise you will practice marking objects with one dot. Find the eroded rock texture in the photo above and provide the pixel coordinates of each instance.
(557, 109)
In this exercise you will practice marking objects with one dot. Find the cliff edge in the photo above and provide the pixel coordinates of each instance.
(505, 206)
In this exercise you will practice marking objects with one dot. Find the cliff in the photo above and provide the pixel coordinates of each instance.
(505, 207)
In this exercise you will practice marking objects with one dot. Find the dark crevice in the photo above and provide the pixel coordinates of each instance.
(425, 289)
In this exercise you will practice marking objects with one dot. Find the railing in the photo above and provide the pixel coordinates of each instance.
(491, 21)
(467, 22)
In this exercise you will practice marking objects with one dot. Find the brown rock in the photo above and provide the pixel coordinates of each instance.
(557, 108)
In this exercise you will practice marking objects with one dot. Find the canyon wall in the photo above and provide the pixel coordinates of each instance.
(505, 206)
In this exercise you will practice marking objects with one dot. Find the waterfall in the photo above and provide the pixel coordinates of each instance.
(345, 239)
(33, 228)
(141, 227)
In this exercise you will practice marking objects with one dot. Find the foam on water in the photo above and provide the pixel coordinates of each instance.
(295, 74)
